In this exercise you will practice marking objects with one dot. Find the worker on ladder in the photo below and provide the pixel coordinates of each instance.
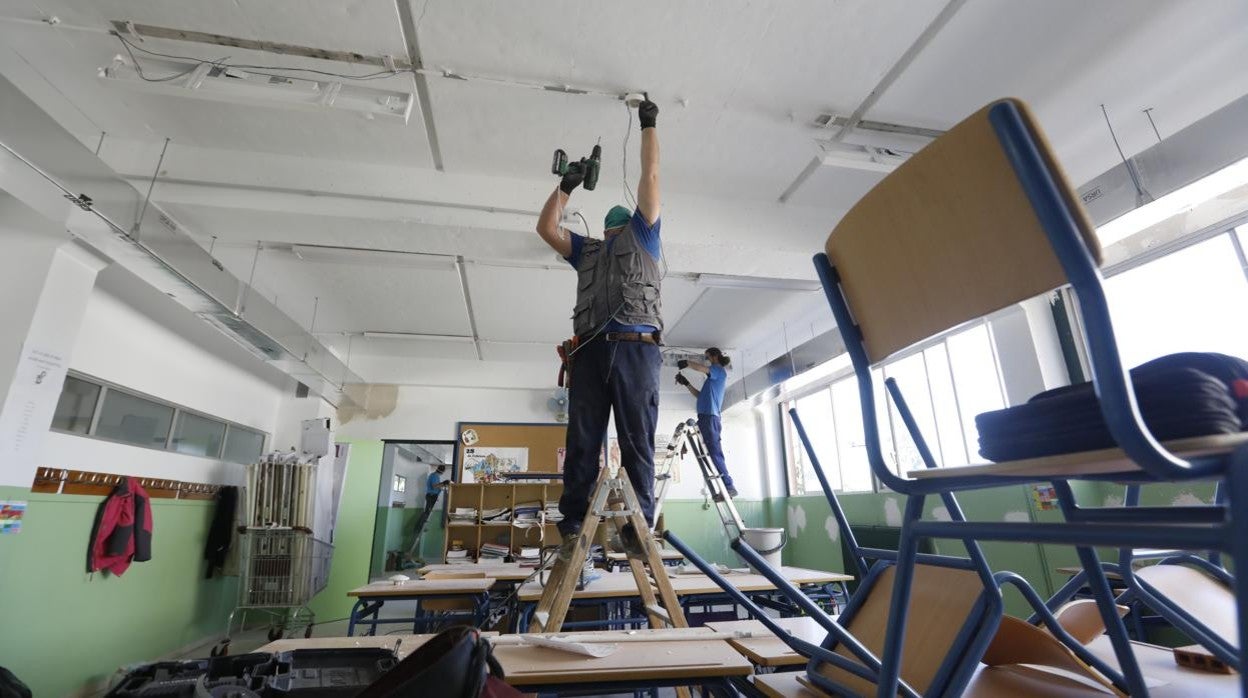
(613, 360)
(710, 399)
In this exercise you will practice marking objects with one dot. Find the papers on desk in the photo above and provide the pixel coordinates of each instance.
(567, 645)
(685, 568)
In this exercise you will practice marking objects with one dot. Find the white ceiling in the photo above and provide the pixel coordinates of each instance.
(739, 84)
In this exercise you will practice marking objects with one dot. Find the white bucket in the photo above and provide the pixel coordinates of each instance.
(767, 542)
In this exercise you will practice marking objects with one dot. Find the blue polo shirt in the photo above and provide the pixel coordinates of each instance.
(431, 484)
(711, 396)
(648, 236)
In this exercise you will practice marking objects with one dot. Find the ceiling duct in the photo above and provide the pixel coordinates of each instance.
(1208, 145)
(37, 154)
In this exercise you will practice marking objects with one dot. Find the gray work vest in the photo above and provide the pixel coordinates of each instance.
(622, 280)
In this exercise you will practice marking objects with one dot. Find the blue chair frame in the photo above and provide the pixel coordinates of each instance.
(1212, 528)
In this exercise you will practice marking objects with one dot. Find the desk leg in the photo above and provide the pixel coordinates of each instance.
(355, 610)
(376, 616)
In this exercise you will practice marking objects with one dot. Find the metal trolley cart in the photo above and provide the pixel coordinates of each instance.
(282, 569)
(282, 566)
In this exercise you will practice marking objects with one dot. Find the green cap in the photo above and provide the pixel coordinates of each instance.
(616, 217)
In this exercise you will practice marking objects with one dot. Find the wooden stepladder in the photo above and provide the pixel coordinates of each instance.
(614, 501)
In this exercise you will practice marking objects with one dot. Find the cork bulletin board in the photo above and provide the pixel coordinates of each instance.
(543, 442)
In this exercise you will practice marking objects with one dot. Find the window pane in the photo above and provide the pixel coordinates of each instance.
(850, 443)
(975, 377)
(243, 445)
(911, 377)
(882, 417)
(134, 420)
(198, 436)
(815, 411)
(1191, 300)
(948, 421)
(77, 404)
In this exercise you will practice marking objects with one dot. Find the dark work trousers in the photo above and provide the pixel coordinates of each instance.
(709, 425)
(606, 376)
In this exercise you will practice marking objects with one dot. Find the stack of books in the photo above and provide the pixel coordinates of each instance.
(526, 514)
(552, 513)
(528, 557)
(463, 514)
(457, 555)
(494, 551)
(495, 515)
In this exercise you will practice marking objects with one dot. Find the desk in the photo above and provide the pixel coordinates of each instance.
(501, 571)
(532, 669)
(767, 650)
(692, 589)
(472, 595)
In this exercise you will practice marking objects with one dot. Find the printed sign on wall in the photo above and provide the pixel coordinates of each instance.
(490, 463)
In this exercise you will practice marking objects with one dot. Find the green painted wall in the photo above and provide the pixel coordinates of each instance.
(64, 628)
(701, 529)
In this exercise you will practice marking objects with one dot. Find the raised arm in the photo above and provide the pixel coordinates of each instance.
(648, 200)
(694, 366)
(548, 222)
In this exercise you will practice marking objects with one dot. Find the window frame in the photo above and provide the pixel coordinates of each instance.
(107, 386)
(888, 441)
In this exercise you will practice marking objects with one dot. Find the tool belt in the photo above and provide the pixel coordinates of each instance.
(569, 347)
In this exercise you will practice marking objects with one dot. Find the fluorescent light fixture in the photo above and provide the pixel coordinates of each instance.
(366, 257)
(418, 337)
(860, 157)
(756, 282)
(1179, 201)
(222, 84)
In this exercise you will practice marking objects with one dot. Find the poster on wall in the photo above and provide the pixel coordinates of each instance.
(27, 413)
(490, 463)
(11, 513)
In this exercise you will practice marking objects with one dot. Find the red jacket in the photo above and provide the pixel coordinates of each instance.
(122, 531)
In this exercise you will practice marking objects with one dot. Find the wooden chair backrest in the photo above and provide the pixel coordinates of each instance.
(941, 599)
(948, 237)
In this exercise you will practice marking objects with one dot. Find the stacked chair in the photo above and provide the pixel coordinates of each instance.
(979, 220)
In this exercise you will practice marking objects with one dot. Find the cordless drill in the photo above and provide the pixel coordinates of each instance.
(589, 166)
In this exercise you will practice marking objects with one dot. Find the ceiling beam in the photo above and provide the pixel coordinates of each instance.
(408, 28)
(903, 63)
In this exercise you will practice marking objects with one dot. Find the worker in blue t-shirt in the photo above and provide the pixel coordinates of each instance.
(710, 399)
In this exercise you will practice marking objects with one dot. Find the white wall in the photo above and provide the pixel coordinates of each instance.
(138, 339)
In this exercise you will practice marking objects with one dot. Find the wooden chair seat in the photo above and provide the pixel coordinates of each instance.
(1109, 461)
(1205, 598)
(941, 599)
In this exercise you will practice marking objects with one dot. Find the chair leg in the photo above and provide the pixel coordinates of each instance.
(1114, 627)
(894, 638)
(1238, 532)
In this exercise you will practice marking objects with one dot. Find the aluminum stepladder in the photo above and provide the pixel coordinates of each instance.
(615, 503)
(688, 438)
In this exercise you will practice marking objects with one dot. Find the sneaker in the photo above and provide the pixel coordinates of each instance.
(732, 491)
(568, 545)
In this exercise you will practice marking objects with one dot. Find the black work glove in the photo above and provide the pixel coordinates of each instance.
(682, 364)
(681, 380)
(572, 179)
(647, 112)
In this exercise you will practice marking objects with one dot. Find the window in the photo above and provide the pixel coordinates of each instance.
(400, 484)
(1190, 300)
(90, 407)
(134, 420)
(945, 385)
(76, 407)
(243, 445)
(198, 436)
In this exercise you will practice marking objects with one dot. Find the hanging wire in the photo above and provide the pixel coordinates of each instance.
(1149, 113)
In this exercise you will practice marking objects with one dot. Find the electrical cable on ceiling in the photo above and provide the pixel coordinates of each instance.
(628, 192)
(583, 222)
